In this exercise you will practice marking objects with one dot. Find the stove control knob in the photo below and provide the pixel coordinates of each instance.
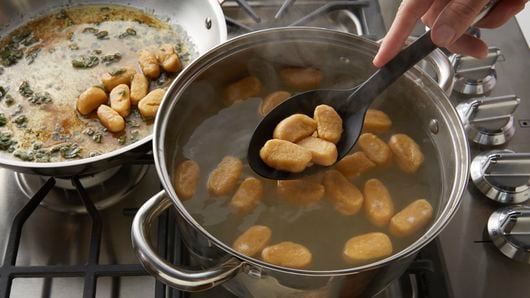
(502, 175)
(489, 120)
(509, 230)
(476, 76)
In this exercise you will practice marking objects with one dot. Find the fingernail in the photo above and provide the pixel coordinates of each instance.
(443, 35)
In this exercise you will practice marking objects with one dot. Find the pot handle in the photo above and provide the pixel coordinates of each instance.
(179, 278)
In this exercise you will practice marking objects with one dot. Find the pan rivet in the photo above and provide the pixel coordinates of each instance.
(208, 23)
(433, 126)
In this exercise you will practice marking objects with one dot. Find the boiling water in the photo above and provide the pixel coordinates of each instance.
(319, 227)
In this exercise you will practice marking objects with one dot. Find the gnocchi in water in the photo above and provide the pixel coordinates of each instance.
(356, 212)
(287, 254)
(253, 240)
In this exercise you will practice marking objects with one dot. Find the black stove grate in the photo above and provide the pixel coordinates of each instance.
(169, 247)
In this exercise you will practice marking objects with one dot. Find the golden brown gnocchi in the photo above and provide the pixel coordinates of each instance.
(120, 100)
(300, 192)
(253, 240)
(149, 64)
(354, 165)
(139, 88)
(378, 204)
(301, 78)
(186, 178)
(91, 99)
(376, 121)
(329, 123)
(346, 197)
(367, 248)
(224, 178)
(247, 196)
(272, 100)
(169, 60)
(110, 119)
(148, 106)
(407, 153)
(323, 152)
(241, 90)
(294, 128)
(411, 219)
(375, 149)
(120, 76)
(285, 156)
(287, 254)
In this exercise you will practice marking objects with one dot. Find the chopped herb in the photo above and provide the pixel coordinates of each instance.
(42, 155)
(98, 52)
(122, 140)
(3, 119)
(32, 54)
(3, 92)
(6, 141)
(89, 131)
(93, 154)
(70, 150)
(102, 34)
(17, 111)
(9, 101)
(10, 55)
(25, 90)
(40, 98)
(128, 32)
(21, 121)
(85, 62)
(97, 137)
(109, 59)
(117, 72)
(135, 134)
(35, 98)
(162, 79)
(24, 155)
(36, 145)
(90, 30)
(73, 46)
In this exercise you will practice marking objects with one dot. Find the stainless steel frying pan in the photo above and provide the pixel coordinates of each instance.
(202, 20)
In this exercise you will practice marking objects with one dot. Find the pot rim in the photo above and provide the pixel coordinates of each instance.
(198, 66)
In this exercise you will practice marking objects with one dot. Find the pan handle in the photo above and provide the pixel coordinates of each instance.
(179, 278)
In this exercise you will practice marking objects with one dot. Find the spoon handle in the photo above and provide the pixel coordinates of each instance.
(395, 68)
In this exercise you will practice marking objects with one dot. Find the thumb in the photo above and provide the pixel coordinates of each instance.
(454, 20)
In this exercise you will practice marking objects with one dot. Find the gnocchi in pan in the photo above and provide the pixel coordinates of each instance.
(355, 212)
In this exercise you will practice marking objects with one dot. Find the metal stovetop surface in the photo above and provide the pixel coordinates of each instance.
(475, 266)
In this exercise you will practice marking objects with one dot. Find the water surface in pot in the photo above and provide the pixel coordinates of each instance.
(212, 130)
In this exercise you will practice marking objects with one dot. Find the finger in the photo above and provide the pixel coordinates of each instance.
(469, 46)
(434, 11)
(454, 20)
(501, 13)
(408, 14)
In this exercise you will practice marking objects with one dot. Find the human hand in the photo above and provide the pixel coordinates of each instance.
(449, 21)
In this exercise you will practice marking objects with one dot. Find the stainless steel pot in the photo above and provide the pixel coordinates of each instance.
(415, 95)
(202, 20)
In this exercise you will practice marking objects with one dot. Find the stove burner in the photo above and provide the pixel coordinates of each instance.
(105, 189)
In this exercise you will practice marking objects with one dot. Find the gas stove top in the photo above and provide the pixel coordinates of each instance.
(64, 252)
